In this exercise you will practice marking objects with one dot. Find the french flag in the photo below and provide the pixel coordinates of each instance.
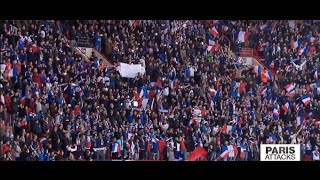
(147, 101)
(263, 91)
(225, 154)
(268, 74)
(261, 45)
(226, 129)
(271, 65)
(295, 44)
(290, 87)
(211, 42)
(257, 69)
(42, 140)
(225, 28)
(115, 148)
(300, 120)
(291, 93)
(275, 114)
(213, 49)
(286, 107)
(306, 100)
(214, 32)
(263, 27)
(301, 51)
(297, 108)
(174, 83)
(288, 67)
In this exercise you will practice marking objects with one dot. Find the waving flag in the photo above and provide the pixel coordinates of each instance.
(211, 42)
(286, 107)
(43, 140)
(225, 154)
(197, 153)
(288, 67)
(315, 74)
(295, 44)
(263, 27)
(227, 128)
(297, 108)
(214, 32)
(265, 76)
(291, 93)
(306, 100)
(263, 91)
(257, 69)
(225, 28)
(275, 114)
(271, 65)
(147, 101)
(269, 74)
(301, 51)
(115, 148)
(300, 120)
(290, 87)
(261, 45)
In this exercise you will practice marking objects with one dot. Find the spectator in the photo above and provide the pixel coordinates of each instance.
(64, 106)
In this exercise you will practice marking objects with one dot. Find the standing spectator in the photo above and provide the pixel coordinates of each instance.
(98, 41)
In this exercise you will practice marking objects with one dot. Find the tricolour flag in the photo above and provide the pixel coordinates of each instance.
(257, 69)
(115, 148)
(290, 87)
(263, 27)
(211, 42)
(225, 154)
(301, 51)
(300, 120)
(275, 114)
(214, 32)
(225, 28)
(286, 107)
(297, 107)
(295, 44)
(147, 101)
(227, 128)
(271, 65)
(306, 100)
(42, 140)
(288, 67)
(291, 93)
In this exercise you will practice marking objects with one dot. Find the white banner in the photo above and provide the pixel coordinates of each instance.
(280, 152)
(130, 70)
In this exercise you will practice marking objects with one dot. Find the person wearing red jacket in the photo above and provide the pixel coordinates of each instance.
(6, 147)
(183, 147)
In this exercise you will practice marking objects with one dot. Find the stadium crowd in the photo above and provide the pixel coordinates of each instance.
(56, 105)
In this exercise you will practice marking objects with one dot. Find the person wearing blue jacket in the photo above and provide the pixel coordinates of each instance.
(97, 41)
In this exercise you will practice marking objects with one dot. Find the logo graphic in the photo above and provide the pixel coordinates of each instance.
(280, 152)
